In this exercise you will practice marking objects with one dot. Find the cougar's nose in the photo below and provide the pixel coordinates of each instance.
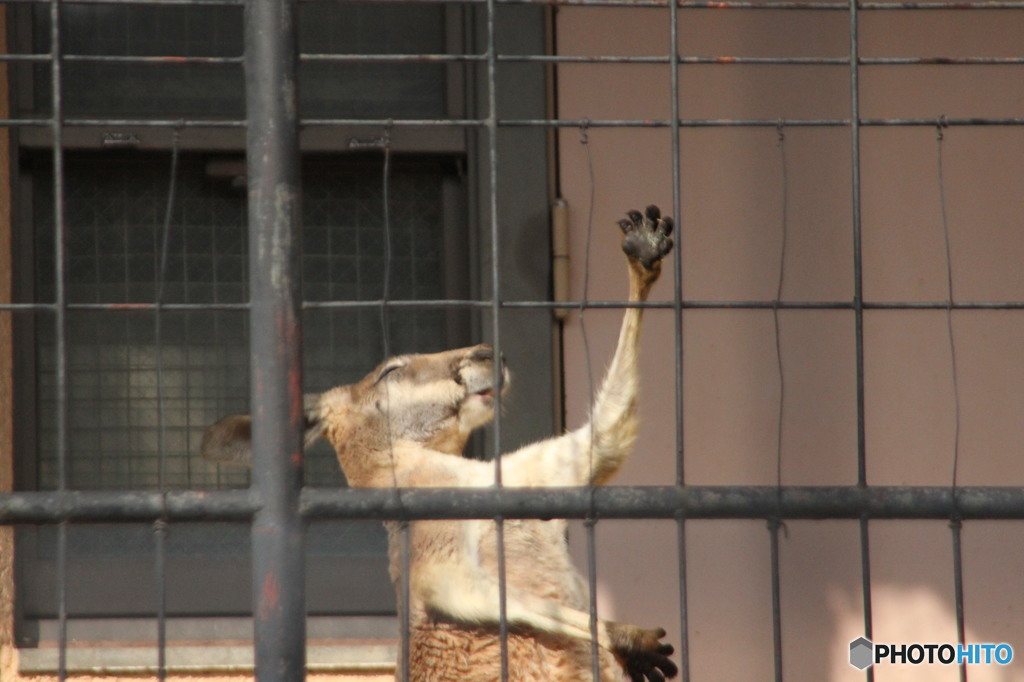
(485, 353)
(482, 353)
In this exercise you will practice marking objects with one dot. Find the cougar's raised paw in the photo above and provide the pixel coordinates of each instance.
(642, 653)
(647, 236)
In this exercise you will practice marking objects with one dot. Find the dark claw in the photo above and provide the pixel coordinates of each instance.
(653, 213)
(635, 217)
(667, 225)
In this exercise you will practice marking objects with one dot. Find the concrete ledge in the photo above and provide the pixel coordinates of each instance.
(127, 646)
(199, 659)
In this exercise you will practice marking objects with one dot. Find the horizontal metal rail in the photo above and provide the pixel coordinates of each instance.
(720, 60)
(376, 304)
(653, 4)
(533, 123)
(610, 502)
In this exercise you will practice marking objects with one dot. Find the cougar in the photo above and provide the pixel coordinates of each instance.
(407, 423)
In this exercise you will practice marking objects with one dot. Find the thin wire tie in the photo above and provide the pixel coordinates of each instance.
(955, 521)
(403, 527)
(777, 302)
(160, 525)
(590, 522)
(941, 125)
(775, 523)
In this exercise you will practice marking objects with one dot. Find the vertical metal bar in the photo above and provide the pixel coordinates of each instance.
(60, 326)
(491, 126)
(773, 529)
(160, 526)
(684, 620)
(956, 526)
(405, 616)
(492, 164)
(405, 529)
(677, 213)
(62, 601)
(160, 559)
(858, 306)
(590, 525)
(275, 336)
(591, 520)
(858, 272)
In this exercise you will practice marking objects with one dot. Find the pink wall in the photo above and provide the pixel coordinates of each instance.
(731, 221)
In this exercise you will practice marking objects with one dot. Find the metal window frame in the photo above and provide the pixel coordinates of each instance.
(276, 505)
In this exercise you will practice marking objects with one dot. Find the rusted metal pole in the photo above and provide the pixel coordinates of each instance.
(278, 553)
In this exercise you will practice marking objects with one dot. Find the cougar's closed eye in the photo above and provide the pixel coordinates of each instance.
(388, 370)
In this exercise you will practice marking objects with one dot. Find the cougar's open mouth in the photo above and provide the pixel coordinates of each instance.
(485, 390)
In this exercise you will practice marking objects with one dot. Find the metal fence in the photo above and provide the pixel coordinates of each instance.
(276, 504)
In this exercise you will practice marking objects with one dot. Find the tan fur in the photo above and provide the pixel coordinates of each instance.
(401, 426)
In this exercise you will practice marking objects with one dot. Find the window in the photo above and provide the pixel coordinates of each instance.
(138, 403)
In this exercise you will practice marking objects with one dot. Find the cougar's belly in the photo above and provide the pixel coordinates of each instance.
(442, 652)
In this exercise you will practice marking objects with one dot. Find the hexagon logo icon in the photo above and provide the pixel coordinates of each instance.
(861, 653)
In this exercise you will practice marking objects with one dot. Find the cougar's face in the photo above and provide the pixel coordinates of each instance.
(435, 399)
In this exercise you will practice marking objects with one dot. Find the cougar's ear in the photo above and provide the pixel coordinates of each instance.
(314, 422)
(229, 441)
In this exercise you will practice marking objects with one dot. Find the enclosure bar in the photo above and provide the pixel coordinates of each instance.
(677, 307)
(278, 547)
(718, 60)
(160, 577)
(774, 525)
(770, 5)
(491, 128)
(60, 305)
(150, 59)
(858, 301)
(759, 122)
(539, 122)
(954, 523)
(655, 4)
(956, 526)
(56, 124)
(874, 6)
(611, 502)
(160, 525)
(729, 60)
(211, 3)
(126, 505)
(518, 304)
(788, 502)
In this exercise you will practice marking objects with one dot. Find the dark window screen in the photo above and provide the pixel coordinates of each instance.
(97, 80)
(115, 209)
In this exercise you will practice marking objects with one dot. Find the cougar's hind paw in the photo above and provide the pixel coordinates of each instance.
(642, 653)
(647, 236)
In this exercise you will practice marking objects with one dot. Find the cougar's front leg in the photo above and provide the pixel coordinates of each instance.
(596, 450)
(611, 432)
